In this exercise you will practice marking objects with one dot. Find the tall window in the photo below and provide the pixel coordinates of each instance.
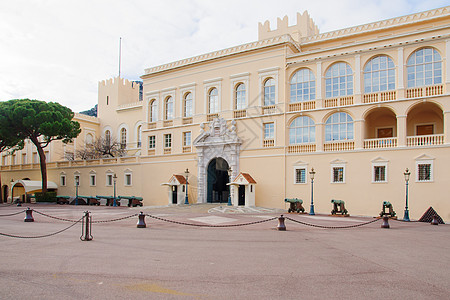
(302, 130)
(128, 179)
(338, 174)
(424, 67)
(300, 175)
(153, 111)
(187, 138)
(168, 141)
(109, 179)
(187, 105)
(379, 74)
(108, 137)
(169, 108)
(424, 171)
(379, 173)
(213, 101)
(269, 92)
(152, 142)
(123, 138)
(89, 139)
(303, 86)
(62, 180)
(92, 180)
(139, 136)
(240, 96)
(269, 131)
(338, 127)
(339, 80)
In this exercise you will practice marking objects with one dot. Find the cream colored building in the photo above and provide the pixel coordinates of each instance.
(359, 105)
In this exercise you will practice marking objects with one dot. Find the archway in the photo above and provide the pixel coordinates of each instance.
(217, 178)
(5, 190)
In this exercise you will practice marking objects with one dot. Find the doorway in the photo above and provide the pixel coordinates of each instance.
(5, 193)
(241, 199)
(217, 180)
(174, 195)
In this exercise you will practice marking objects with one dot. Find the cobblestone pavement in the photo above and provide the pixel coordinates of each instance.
(168, 260)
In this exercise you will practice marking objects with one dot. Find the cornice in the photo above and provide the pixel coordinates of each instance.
(379, 25)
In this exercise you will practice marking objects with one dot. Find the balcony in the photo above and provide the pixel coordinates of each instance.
(211, 117)
(152, 125)
(268, 143)
(187, 120)
(425, 91)
(168, 123)
(302, 148)
(379, 97)
(187, 149)
(268, 110)
(339, 146)
(425, 140)
(298, 106)
(380, 143)
(240, 113)
(338, 102)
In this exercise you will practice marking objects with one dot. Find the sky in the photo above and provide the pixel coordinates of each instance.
(58, 50)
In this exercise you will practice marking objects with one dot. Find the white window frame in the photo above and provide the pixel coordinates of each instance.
(208, 85)
(165, 141)
(92, 179)
(264, 74)
(108, 174)
(380, 164)
(338, 165)
(425, 162)
(63, 180)
(184, 138)
(184, 89)
(126, 175)
(295, 174)
(235, 81)
(154, 140)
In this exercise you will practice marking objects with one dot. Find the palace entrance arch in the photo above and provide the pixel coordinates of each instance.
(217, 180)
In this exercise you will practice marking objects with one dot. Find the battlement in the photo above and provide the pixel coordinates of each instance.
(305, 27)
(122, 84)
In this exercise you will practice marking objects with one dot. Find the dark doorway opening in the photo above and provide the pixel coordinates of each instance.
(241, 201)
(174, 195)
(218, 189)
(5, 193)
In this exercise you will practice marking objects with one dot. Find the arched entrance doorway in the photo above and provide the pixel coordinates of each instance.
(217, 191)
(5, 193)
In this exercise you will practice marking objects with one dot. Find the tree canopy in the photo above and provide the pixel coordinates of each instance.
(41, 122)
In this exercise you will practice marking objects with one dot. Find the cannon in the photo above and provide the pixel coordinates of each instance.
(132, 200)
(387, 206)
(295, 205)
(338, 207)
(62, 199)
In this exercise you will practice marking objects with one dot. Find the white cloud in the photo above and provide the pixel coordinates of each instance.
(58, 50)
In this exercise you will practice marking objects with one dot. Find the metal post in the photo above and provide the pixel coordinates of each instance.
(87, 227)
(385, 222)
(114, 179)
(141, 221)
(281, 225)
(311, 210)
(77, 183)
(186, 200)
(406, 215)
(28, 215)
(435, 220)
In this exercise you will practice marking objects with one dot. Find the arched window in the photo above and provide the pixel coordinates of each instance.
(187, 111)
(139, 136)
(379, 74)
(213, 101)
(339, 80)
(240, 96)
(123, 138)
(89, 139)
(424, 67)
(108, 136)
(169, 108)
(269, 92)
(153, 111)
(338, 127)
(303, 86)
(302, 130)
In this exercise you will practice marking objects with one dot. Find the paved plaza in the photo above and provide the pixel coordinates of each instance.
(169, 260)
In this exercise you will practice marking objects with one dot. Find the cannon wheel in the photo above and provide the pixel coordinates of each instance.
(289, 210)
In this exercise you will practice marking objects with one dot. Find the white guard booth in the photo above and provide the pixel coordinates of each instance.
(176, 189)
(243, 190)
(21, 188)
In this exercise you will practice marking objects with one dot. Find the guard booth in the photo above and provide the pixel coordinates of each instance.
(23, 189)
(243, 190)
(176, 189)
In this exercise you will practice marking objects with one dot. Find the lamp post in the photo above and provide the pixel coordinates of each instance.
(230, 172)
(77, 183)
(311, 175)
(186, 173)
(114, 180)
(407, 174)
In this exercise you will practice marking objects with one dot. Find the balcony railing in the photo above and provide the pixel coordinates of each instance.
(338, 101)
(302, 148)
(380, 143)
(268, 110)
(381, 96)
(339, 146)
(268, 143)
(211, 117)
(168, 123)
(187, 149)
(152, 125)
(240, 113)
(298, 106)
(167, 150)
(151, 152)
(187, 120)
(425, 140)
(425, 91)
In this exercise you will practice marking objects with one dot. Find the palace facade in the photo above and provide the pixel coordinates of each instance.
(359, 105)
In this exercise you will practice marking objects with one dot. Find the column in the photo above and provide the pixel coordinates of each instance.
(401, 131)
(446, 127)
(319, 85)
(319, 137)
(357, 85)
(359, 134)
(400, 76)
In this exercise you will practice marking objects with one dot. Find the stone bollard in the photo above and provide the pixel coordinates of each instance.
(18, 203)
(87, 230)
(29, 215)
(385, 222)
(141, 221)
(434, 221)
(281, 225)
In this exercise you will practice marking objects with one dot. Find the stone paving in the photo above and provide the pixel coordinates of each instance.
(173, 261)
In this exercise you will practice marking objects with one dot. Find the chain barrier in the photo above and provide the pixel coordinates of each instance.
(42, 236)
(56, 218)
(13, 214)
(205, 225)
(114, 220)
(332, 227)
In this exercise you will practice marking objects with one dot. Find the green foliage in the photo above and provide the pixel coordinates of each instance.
(45, 197)
(10, 138)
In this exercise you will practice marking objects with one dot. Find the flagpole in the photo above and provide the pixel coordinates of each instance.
(120, 52)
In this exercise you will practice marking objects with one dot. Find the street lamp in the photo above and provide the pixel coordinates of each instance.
(311, 175)
(77, 183)
(186, 173)
(114, 180)
(407, 174)
(230, 172)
